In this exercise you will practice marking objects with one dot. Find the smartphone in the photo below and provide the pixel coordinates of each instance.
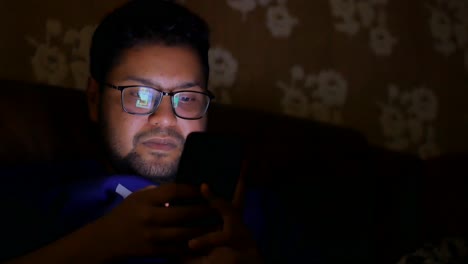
(212, 158)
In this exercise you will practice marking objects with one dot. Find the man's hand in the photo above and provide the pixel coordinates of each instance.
(233, 243)
(143, 225)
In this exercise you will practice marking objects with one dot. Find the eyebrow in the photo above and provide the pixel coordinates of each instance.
(148, 82)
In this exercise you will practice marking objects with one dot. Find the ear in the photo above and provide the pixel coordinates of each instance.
(93, 93)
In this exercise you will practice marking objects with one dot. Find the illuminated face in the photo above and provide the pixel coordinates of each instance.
(149, 145)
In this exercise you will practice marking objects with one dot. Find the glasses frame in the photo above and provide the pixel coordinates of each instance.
(156, 105)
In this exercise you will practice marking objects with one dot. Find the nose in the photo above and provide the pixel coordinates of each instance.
(163, 115)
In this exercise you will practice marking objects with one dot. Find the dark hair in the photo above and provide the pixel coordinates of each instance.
(139, 22)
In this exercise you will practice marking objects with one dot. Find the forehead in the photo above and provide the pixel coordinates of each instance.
(163, 65)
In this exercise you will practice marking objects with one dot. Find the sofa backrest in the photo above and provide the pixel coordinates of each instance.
(356, 201)
(47, 123)
(42, 123)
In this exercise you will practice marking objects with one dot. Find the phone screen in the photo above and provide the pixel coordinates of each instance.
(212, 158)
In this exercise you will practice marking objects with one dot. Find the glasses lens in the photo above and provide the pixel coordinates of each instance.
(190, 104)
(139, 100)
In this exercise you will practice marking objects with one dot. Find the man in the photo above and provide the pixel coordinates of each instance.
(147, 91)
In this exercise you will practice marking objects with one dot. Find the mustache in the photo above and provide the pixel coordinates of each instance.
(159, 132)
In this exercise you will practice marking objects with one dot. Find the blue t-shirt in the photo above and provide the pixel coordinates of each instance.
(92, 198)
(43, 202)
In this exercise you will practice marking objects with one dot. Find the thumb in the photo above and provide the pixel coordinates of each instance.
(206, 192)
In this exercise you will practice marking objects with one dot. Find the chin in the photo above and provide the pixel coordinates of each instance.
(158, 166)
(158, 173)
(160, 155)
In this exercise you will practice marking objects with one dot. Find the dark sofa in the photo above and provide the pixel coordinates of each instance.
(355, 202)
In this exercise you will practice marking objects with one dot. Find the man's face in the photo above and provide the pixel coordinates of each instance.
(150, 145)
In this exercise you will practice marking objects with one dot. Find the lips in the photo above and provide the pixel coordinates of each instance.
(160, 144)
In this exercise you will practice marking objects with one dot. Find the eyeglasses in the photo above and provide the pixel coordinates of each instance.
(144, 100)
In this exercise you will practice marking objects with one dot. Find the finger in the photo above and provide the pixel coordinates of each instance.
(207, 240)
(141, 191)
(175, 234)
(238, 199)
(206, 192)
(148, 187)
(167, 249)
(227, 254)
(178, 214)
(171, 191)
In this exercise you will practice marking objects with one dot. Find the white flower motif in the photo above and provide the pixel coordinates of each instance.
(52, 63)
(450, 249)
(392, 121)
(424, 104)
(343, 8)
(406, 120)
(441, 25)
(449, 26)
(359, 14)
(318, 96)
(80, 41)
(297, 72)
(349, 26)
(393, 92)
(381, 41)
(332, 88)
(223, 67)
(416, 130)
(244, 6)
(80, 73)
(278, 19)
(280, 22)
(222, 95)
(320, 112)
(49, 64)
(294, 102)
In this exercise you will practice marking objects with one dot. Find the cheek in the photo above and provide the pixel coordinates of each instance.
(188, 126)
(120, 130)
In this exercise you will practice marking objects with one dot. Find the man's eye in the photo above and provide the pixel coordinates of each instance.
(187, 98)
(134, 94)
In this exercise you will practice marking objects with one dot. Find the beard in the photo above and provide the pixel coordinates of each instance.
(158, 169)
